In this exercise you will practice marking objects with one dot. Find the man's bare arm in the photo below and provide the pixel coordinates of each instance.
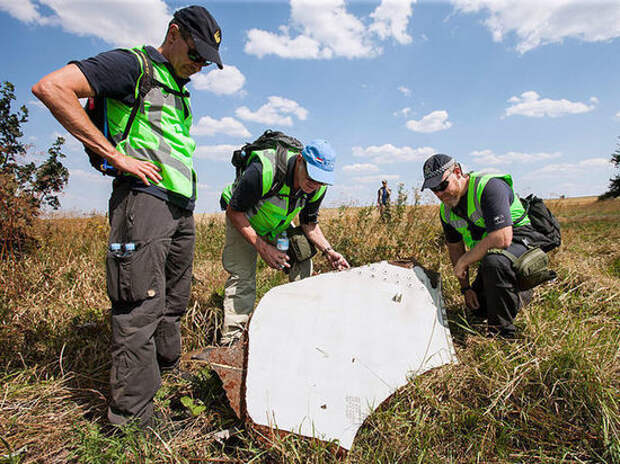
(315, 235)
(501, 238)
(271, 255)
(60, 92)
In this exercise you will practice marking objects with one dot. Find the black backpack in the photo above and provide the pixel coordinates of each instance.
(96, 109)
(543, 221)
(278, 141)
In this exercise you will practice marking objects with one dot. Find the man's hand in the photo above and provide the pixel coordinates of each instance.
(336, 260)
(139, 168)
(271, 255)
(471, 299)
(460, 268)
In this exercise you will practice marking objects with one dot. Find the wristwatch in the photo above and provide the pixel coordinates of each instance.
(464, 289)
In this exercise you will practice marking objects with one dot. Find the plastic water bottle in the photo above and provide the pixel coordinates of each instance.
(115, 248)
(129, 248)
(282, 243)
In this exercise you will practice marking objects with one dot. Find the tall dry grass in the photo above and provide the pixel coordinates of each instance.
(551, 397)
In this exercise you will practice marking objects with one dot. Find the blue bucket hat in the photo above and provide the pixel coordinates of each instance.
(320, 160)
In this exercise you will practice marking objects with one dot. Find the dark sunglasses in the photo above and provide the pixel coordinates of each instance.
(443, 185)
(196, 58)
(192, 53)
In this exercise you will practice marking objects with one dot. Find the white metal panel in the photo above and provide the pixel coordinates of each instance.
(324, 352)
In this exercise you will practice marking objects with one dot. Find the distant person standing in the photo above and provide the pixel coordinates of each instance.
(149, 265)
(383, 198)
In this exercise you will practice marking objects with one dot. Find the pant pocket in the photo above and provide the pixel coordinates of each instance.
(131, 278)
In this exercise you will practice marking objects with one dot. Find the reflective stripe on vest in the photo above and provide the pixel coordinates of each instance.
(273, 214)
(160, 132)
(477, 182)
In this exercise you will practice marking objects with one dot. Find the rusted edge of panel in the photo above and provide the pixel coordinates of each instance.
(410, 263)
(231, 364)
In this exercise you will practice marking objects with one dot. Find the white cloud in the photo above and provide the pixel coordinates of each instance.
(404, 112)
(360, 167)
(536, 22)
(229, 126)
(405, 90)
(324, 29)
(391, 19)
(225, 81)
(432, 122)
(275, 112)
(530, 104)
(579, 168)
(375, 179)
(488, 157)
(23, 10)
(215, 152)
(261, 43)
(133, 23)
(567, 178)
(618, 114)
(388, 153)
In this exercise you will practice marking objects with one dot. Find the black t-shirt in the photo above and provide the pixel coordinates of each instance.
(249, 190)
(495, 202)
(114, 74)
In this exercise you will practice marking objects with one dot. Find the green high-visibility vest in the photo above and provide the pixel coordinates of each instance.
(160, 130)
(273, 214)
(477, 182)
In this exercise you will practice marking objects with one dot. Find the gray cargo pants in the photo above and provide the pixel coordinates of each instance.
(149, 291)
(239, 259)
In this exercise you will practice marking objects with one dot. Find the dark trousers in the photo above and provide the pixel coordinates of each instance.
(496, 288)
(149, 290)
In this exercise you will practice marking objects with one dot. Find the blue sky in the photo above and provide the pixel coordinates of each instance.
(519, 86)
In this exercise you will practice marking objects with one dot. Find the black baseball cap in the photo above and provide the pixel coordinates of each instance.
(434, 167)
(204, 30)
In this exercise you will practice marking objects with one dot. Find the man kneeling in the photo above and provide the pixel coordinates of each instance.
(482, 212)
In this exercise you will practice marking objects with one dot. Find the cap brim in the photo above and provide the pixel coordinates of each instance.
(319, 175)
(207, 51)
(432, 182)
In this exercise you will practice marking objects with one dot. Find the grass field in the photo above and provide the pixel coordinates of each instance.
(552, 397)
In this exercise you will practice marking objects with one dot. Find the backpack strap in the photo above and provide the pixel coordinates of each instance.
(506, 253)
(146, 82)
(143, 86)
(280, 174)
(526, 208)
(279, 177)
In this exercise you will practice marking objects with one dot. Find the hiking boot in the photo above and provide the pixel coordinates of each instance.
(525, 297)
(503, 334)
(476, 317)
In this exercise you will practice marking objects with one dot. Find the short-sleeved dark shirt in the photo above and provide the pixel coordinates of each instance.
(250, 189)
(495, 202)
(114, 74)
